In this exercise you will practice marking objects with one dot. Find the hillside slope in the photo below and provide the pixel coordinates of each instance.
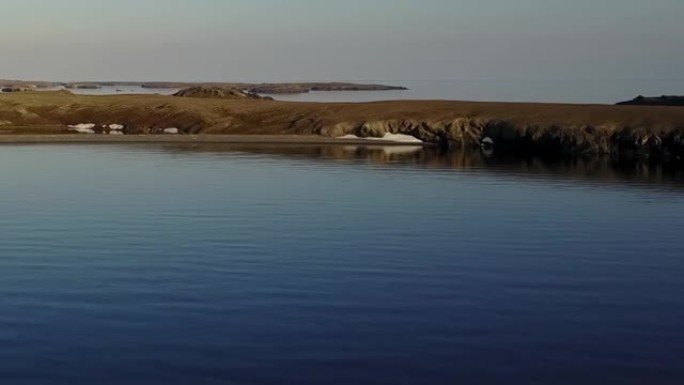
(517, 126)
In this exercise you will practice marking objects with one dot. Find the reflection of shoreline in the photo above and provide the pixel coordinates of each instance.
(388, 150)
(588, 169)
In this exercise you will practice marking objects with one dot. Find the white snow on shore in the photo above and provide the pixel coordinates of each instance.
(83, 128)
(116, 127)
(401, 138)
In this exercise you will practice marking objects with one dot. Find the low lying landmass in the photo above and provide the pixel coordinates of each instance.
(218, 93)
(255, 88)
(522, 127)
(281, 88)
(75, 86)
(665, 100)
(23, 84)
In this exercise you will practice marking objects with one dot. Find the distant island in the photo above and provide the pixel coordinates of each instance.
(282, 88)
(85, 86)
(665, 100)
(255, 88)
(25, 85)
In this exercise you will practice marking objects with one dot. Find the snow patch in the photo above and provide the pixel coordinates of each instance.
(171, 130)
(116, 127)
(400, 138)
(83, 128)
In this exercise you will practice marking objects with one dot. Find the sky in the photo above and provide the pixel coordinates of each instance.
(297, 40)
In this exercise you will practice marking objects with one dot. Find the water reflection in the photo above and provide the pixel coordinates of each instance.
(591, 169)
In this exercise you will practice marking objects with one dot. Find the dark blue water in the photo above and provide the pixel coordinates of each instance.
(155, 265)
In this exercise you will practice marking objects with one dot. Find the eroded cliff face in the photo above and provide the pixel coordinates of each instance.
(506, 136)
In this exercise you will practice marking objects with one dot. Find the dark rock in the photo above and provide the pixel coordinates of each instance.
(665, 100)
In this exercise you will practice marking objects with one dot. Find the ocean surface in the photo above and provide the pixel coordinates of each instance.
(544, 91)
(210, 264)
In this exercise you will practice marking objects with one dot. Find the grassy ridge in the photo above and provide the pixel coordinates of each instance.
(524, 126)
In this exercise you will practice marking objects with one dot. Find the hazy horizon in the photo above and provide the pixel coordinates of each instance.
(306, 40)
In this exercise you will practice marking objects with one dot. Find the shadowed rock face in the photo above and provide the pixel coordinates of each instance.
(665, 100)
(218, 93)
(526, 138)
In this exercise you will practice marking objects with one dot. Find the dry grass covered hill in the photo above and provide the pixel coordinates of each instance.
(524, 126)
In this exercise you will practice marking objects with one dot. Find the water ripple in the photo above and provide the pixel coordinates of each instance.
(143, 264)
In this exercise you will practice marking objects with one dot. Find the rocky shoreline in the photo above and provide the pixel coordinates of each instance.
(508, 127)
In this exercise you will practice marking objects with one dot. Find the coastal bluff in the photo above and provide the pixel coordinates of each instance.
(520, 127)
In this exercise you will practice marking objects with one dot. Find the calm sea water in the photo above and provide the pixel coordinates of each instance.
(557, 91)
(124, 264)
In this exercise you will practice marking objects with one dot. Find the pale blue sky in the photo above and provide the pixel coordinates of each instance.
(262, 40)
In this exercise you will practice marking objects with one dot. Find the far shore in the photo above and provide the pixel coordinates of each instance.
(261, 88)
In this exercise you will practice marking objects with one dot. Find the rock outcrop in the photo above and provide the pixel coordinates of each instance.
(534, 139)
(665, 100)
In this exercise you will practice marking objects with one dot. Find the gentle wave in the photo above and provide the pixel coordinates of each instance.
(124, 264)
